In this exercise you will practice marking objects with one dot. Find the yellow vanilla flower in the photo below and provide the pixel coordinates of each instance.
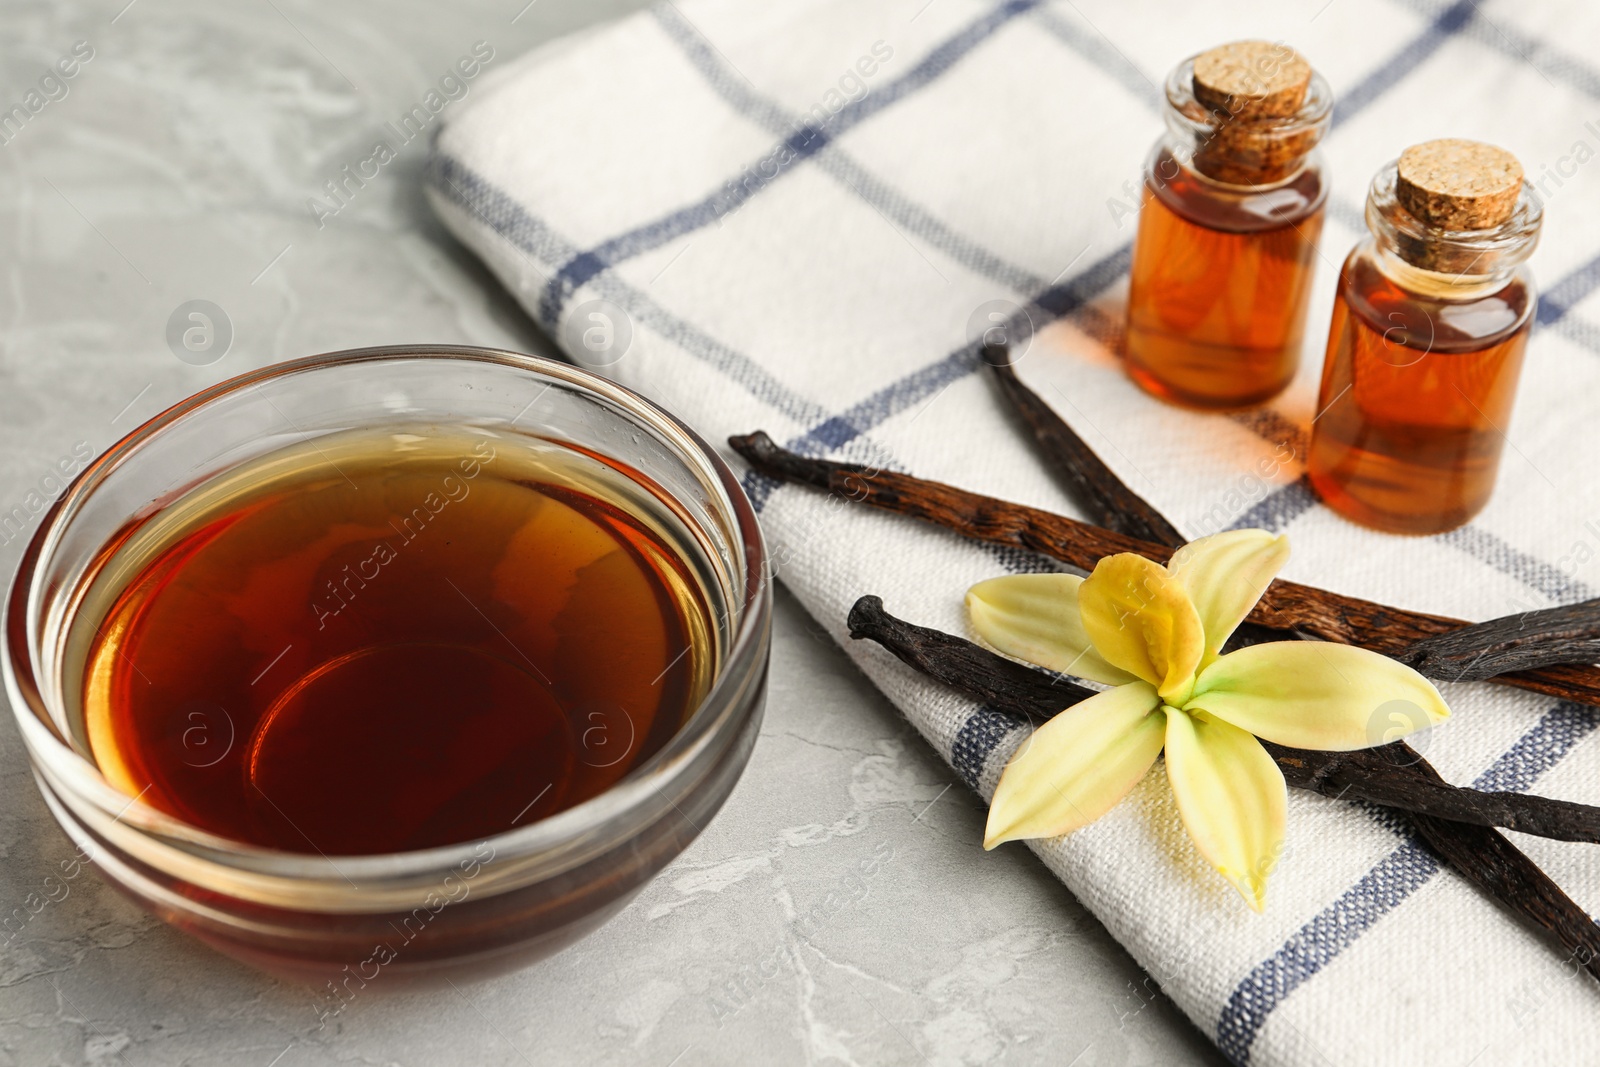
(1155, 633)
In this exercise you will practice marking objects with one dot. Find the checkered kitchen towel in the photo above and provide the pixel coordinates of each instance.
(802, 205)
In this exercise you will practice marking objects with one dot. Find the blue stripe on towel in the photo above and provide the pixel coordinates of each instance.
(1391, 881)
(1540, 749)
(976, 741)
(531, 236)
(1056, 301)
(1561, 297)
(1544, 578)
(1097, 49)
(1288, 502)
(1318, 943)
(910, 216)
(1503, 36)
(1419, 49)
(1279, 508)
(803, 142)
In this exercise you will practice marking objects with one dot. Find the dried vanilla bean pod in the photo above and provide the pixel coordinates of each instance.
(1109, 501)
(1481, 854)
(1470, 653)
(1525, 641)
(1107, 498)
(1391, 775)
(1286, 606)
(1568, 634)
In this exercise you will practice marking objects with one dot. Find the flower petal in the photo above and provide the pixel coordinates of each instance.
(1034, 617)
(1077, 766)
(1225, 574)
(1232, 798)
(1312, 694)
(1141, 620)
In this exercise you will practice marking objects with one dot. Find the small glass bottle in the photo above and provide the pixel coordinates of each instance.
(1232, 209)
(1426, 344)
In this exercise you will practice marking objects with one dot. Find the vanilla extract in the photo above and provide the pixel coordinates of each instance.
(379, 642)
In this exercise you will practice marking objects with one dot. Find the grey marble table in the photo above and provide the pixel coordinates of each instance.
(175, 164)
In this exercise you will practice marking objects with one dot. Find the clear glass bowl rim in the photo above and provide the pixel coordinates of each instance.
(543, 849)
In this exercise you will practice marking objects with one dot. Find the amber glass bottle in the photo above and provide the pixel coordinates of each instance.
(1232, 210)
(1426, 344)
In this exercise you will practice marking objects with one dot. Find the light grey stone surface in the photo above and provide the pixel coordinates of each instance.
(177, 166)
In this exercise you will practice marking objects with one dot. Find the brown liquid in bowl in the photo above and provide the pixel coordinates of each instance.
(393, 642)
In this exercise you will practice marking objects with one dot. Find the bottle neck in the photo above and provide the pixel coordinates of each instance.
(1227, 179)
(1437, 285)
(1448, 264)
(1240, 152)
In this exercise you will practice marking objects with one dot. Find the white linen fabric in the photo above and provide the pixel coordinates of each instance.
(791, 215)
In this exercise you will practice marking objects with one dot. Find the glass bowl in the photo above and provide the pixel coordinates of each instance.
(473, 908)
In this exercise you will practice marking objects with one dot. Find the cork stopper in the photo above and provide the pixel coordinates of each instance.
(1252, 79)
(1453, 184)
(1255, 94)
